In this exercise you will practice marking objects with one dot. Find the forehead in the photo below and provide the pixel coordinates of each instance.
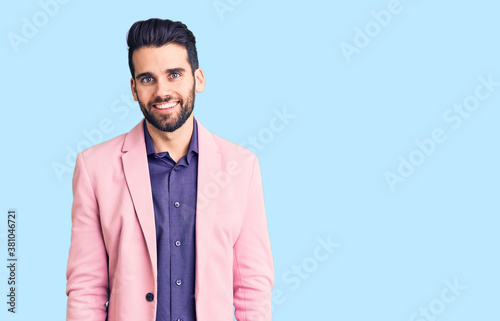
(157, 59)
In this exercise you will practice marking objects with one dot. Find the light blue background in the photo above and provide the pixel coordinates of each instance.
(323, 173)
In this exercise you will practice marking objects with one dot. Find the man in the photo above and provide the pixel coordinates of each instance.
(168, 220)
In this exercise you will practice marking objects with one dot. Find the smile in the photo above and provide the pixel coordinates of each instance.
(168, 105)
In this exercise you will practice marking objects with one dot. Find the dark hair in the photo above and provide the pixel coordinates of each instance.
(157, 33)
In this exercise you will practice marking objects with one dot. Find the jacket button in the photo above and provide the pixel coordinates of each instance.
(150, 297)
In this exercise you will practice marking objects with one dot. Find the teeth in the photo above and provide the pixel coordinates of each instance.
(166, 105)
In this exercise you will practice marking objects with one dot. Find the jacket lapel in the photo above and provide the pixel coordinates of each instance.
(136, 169)
(209, 162)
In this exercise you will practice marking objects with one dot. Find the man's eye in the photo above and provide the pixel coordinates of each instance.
(175, 75)
(147, 79)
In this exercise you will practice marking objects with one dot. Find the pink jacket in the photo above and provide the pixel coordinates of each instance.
(113, 240)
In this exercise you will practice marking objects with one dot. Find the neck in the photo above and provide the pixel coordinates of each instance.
(176, 143)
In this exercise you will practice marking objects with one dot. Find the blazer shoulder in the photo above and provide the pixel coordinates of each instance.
(231, 150)
(104, 151)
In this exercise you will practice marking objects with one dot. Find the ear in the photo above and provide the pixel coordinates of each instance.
(132, 87)
(199, 79)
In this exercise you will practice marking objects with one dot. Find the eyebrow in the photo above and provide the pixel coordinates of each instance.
(168, 71)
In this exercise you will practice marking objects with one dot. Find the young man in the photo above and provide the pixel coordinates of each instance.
(168, 220)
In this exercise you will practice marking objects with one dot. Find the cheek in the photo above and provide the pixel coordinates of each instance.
(187, 90)
(143, 95)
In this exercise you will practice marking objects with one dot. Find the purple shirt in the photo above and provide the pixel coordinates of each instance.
(173, 187)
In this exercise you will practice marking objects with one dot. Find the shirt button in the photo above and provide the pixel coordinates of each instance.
(177, 243)
(178, 282)
(177, 204)
(149, 296)
(175, 168)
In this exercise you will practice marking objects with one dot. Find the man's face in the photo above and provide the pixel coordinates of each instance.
(164, 85)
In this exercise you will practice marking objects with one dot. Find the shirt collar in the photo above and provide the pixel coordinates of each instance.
(193, 144)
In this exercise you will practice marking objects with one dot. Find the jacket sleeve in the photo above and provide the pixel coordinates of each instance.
(253, 270)
(87, 269)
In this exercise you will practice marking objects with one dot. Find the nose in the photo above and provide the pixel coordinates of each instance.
(163, 88)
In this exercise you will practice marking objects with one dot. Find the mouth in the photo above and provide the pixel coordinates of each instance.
(166, 106)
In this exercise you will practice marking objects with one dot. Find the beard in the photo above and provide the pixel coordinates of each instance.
(169, 122)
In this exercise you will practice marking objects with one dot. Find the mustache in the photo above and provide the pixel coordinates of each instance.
(159, 100)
